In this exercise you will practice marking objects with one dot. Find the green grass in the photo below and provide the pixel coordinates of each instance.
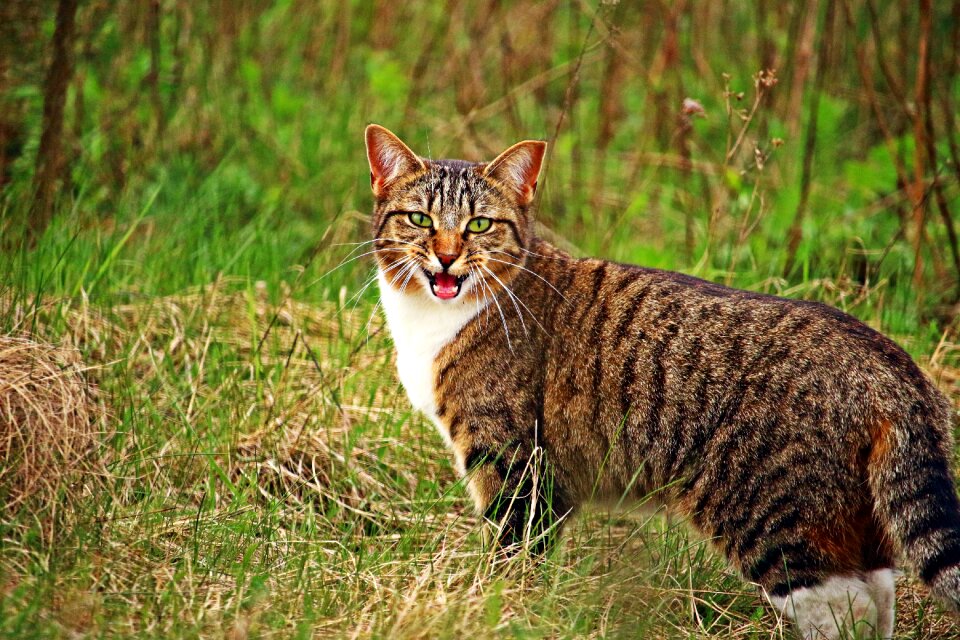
(267, 475)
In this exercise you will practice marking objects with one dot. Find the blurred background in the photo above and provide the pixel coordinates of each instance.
(179, 185)
(668, 146)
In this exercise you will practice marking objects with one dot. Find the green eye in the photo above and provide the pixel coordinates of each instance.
(421, 220)
(479, 225)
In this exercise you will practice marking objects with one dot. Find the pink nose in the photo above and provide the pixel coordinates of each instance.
(447, 259)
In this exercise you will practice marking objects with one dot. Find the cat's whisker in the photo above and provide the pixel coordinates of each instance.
(406, 281)
(404, 266)
(392, 265)
(415, 245)
(510, 294)
(486, 298)
(404, 274)
(341, 310)
(525, 250)
(479, 291)
(373, 314)
(486, 303)
(539, 255)
(355, 298)
(405, 271)
(476, 298)
(359, 244)
(350, 257)
(514, 296)
(403, 278)
(506, 253)
(355, 245)
(520, 266)
(348, 261)
(367, 284)
(503, 318)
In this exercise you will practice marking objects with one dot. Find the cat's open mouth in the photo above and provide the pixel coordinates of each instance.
(445, 286)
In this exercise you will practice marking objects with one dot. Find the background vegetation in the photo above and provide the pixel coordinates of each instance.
(179, 182)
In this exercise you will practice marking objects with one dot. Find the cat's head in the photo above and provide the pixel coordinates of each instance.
(452, 230)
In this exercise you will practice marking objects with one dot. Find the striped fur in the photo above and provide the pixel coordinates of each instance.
(806, 444)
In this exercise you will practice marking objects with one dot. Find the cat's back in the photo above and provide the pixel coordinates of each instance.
(768, 332)
(695, 380)
(674, 342)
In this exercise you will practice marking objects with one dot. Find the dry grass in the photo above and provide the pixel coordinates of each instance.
(918, 617)
(51, 423)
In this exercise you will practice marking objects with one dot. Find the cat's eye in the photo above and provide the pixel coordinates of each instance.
(479, 225)
(421, 219)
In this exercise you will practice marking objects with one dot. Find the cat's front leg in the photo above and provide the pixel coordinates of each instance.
(514, 488)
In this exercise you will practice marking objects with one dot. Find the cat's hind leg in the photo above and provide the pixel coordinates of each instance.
(842, 606)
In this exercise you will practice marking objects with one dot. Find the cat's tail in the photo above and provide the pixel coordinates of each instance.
(914, 493)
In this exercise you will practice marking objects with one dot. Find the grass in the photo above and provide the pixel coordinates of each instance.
(267, 475)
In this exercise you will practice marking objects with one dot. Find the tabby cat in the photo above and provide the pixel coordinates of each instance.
(807, 446)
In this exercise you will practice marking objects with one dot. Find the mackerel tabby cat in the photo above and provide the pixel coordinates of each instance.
(810, 448)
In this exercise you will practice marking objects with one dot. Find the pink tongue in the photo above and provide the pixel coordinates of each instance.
(446, 286)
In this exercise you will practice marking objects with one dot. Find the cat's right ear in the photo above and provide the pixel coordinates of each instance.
(389, 158)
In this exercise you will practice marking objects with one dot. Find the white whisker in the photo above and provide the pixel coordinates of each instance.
(402, 271)
(534, 253)
(355, 299)
(373, 279)
(476, 298)
(373, 314)
(348, 260)
(503, 318)
(515, 297)
(520, 266)
(357, 244)
(486, 301)
(406, 280)
(486, 298)
(402, 275)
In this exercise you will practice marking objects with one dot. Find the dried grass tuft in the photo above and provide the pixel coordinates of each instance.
(50, 422)
(303, 467)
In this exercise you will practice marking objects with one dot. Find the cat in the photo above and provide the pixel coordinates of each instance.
(808, 447)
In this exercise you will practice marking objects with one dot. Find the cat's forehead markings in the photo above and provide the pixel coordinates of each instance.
(449, 194)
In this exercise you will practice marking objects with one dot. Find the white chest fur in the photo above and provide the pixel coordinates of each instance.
(421, 326)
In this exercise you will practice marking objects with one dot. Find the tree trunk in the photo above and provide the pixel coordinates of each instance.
(49, 166)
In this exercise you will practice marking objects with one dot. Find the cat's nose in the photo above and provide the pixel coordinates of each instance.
(447, 259)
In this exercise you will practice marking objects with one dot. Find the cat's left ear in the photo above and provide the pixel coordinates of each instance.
(519, 167)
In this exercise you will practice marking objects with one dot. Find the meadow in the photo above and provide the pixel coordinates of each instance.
(258, 471)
